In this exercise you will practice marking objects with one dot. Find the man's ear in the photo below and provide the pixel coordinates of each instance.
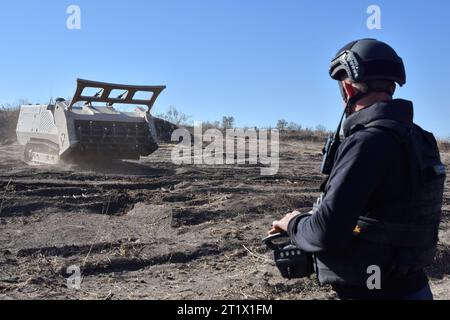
(393, 88)
(349, 89)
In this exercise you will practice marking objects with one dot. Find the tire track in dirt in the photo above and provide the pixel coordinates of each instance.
(105, 262)
(75, 250)
(116, 195)
(134, 264)
(23, 197)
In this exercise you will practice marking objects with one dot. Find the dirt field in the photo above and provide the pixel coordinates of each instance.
(153, 230)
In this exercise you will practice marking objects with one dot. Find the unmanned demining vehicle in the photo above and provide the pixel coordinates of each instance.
(89, 127)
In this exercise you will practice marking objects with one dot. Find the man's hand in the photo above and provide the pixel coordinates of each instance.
(282, 225)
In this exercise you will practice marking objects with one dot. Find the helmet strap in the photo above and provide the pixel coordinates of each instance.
(350, 103)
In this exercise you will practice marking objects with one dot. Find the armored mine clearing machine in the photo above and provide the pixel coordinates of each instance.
(89, 127)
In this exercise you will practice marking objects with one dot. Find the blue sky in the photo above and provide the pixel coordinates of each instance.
(257, 60)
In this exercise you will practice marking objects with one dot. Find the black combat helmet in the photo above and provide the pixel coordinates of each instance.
(368, 59)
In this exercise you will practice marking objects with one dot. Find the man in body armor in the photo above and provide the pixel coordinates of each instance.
(381, 203)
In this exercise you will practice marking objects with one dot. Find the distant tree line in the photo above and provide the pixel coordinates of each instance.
(9, 114)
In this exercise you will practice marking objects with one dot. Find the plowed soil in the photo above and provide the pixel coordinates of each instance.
(149, 229)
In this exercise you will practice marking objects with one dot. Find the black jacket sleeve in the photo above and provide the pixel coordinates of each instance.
(360, 163)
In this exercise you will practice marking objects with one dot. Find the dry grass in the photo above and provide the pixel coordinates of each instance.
(444, 145)
(305, 135)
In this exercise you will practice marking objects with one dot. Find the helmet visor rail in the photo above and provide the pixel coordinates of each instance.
(349, 63)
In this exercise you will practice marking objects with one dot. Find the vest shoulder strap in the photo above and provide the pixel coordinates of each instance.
(400, 133)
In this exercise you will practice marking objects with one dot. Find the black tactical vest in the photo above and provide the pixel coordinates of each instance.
(415, 238)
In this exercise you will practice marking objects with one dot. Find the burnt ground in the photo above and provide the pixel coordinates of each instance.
(154, 230)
